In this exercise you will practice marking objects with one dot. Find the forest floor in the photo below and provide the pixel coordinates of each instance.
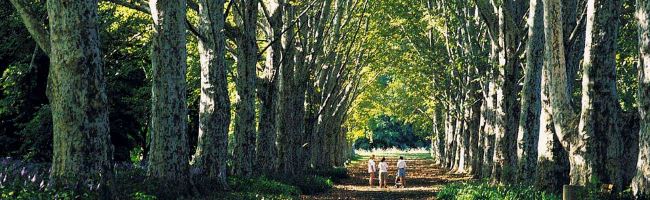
(423, 179)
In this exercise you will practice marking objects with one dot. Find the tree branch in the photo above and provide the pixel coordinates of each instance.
(34, 24)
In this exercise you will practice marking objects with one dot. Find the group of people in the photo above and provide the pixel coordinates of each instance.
(400, 179)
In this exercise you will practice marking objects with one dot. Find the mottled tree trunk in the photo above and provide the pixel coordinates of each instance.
(81, 145)
(600, 137)
(244, 148)
(552, 159)
(529, 120)
(287, 135)
(301, 82)
(488, 129)
(641, 182)
(268, 94)
(509, 13)
(214, 108)
(438, 140)
(169, 150)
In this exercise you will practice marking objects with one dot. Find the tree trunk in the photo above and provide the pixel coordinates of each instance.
(641, 182)
(286, 131)
(169, 150)
(214, 110)
(529, 119)
(244, 148)
(507, 109)
(268, 94)
(600, 137)
(552, 159)
(81, 145)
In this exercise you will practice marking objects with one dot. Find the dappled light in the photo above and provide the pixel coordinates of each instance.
(289, 99)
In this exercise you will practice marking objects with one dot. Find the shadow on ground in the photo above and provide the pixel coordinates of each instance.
(424, 180)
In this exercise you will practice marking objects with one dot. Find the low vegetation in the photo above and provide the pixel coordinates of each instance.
(483, 190)
(22, 180)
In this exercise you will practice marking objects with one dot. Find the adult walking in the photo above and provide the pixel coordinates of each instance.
(383, 172)
(372, 168)
(401, 171)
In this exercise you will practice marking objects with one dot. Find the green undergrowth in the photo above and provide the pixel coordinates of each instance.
(485, 191)
(482, 190)
(20, 181)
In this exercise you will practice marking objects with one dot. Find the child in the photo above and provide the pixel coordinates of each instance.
(383, 172)
(401, 171)
(372, 169)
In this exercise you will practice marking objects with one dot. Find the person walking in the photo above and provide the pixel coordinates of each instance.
(383, 172)
(401, 171)
(372, 169)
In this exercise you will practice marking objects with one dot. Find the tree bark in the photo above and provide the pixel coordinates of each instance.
(81, 145)
(244, 148)
(552, 160)
(529, 119)
(266, 148)
(600, 137)
(286, 132)
(169, 150)
(214, 109)
(641, 182)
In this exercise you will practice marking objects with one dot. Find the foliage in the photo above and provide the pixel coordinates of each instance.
(388, 132)
(483, 190)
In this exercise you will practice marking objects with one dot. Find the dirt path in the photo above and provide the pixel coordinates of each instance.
(424, 179)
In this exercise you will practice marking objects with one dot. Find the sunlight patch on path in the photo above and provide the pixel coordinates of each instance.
(424, 179)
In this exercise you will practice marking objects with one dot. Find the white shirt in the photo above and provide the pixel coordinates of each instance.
(401, 164)
(371, 166)
(383, 167)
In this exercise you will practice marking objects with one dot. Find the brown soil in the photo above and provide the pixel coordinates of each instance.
(424, 180)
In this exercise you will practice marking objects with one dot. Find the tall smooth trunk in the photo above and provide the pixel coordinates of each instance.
(599, 133)
(244, 148)
(169, 150)
(552, 159)
(641, 182)
(267, 92)
(81, 144)
(214, 108)
(287, 135)
(529, 119)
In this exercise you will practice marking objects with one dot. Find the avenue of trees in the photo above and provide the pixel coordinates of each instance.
(198, 90)
(539, 92)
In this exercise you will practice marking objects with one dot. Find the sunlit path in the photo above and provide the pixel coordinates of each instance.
(424, 179)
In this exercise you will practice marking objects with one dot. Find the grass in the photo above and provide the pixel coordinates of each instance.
(484, 191)
(21, 180)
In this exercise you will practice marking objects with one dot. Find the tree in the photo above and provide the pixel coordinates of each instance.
(268, 91)
(82, 149)
(214, 115)
(244, 150)
(287, 136)
(503, 19)
(641, 182)
(599, 132)
(169, 150)
(529, 119)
